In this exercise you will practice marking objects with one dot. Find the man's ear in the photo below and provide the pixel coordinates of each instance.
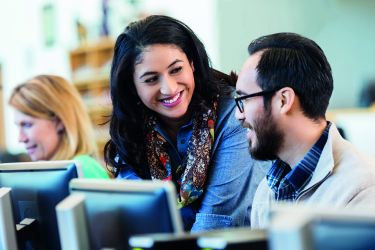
(286, 98)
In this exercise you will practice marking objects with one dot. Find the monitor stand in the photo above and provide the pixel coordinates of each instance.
(26, 232)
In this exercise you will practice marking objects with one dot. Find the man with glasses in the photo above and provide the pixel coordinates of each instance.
(283, 92)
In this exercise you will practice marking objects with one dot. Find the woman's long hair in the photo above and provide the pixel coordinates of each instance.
(50, 97)
(127, 121)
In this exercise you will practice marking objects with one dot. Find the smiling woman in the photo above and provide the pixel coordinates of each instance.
(164, 80)
(32, 131)
(173, 119)
(53, 123)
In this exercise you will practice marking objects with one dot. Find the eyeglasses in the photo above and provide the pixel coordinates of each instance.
(239, 99)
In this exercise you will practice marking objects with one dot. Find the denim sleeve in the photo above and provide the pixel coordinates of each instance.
(127, 172)
(234, 177)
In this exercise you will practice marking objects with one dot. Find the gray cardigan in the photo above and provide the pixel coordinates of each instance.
(344, 177)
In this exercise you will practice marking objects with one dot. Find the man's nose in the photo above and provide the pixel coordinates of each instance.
(239, 115)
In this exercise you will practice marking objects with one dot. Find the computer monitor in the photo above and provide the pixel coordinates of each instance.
(29, 193)
(308, 228)
(222, 239)
(234, 239)
(105, 213)
(7, 226)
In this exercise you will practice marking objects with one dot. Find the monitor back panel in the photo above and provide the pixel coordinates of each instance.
(34, 194)
(112, 217)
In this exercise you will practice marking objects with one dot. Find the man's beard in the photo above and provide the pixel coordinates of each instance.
(269, 138)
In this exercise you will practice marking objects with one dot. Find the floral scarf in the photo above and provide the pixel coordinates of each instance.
(192, 173)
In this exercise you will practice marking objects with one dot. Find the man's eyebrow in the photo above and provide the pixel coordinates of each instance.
(240, 92)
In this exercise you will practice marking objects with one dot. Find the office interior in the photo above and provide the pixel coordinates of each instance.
(75, 38)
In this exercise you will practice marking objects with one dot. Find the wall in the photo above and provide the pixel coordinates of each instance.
(343, 28)
(200, 16)
(24, 54)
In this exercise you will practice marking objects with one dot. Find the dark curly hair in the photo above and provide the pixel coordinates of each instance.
(127, 121)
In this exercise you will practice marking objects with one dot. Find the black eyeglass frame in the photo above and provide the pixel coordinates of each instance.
(239, 99)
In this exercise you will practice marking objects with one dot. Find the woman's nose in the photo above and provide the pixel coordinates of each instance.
(168, 86)
(22, 137)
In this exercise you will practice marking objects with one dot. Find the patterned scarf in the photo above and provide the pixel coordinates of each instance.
(192, 173)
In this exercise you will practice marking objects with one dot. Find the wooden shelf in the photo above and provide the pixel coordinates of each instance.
(100, 81)
(94, 54)
(103, 44)
(90, 67)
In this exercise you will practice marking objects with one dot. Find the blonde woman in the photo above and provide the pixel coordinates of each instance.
(54, 124)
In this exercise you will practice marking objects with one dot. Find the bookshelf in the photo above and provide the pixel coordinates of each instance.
(90, 67)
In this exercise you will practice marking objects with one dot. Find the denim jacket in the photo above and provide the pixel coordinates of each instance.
(233, 175)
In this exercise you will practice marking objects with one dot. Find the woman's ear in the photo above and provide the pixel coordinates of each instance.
(60, 128)
(192, 66)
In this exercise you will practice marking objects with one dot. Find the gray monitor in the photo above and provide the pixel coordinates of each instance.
(7, 226)
(234, 239)
(307, 227)
(29, 193)
(105, 213)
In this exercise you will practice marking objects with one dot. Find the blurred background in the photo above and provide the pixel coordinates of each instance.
(74, 39)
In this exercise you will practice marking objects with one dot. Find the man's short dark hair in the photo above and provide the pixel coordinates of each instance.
(291, 60)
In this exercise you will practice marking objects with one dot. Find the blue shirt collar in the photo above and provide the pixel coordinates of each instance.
(288, 183)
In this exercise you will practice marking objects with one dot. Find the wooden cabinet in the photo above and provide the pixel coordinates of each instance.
(90, 66)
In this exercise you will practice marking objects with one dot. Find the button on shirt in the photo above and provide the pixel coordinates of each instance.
(288, 183)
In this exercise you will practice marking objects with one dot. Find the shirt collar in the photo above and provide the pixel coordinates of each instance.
(287, 183)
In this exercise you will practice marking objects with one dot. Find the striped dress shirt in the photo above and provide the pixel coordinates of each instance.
(287, 183)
